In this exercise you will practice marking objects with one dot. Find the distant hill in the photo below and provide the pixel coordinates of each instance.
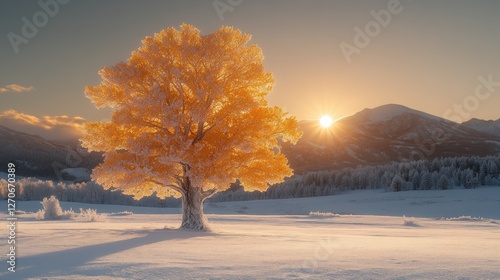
(381, 135)
(385, 134)
(490, 126)
(36, 156)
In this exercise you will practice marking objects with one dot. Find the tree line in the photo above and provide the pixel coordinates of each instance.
(86, 192)
(441, 173)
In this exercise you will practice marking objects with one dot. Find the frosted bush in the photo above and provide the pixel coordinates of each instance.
(68, 215)
(53, 211)
(323, 214)
(410, 222)
(123, 213)
(469, 219)
(40, 214)
(90, 215)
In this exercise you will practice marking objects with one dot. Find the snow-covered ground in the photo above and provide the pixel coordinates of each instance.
(273, 239)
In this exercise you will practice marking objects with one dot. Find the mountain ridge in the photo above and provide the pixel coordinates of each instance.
(36, 156)
(385, 134)
(487, 126)
(379, 135)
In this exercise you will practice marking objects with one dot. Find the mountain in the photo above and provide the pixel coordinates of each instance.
(491, 127)
(385, 134)
(372, 136)
(36, 156)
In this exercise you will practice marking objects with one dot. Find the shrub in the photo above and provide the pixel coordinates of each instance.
(409, 222)
(123, 213)
(51, 209)
(323, 214)
(40, 215)
(90, 215)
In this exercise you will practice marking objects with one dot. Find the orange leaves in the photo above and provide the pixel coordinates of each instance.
(267, 170)
(186, 98)
(105, 136)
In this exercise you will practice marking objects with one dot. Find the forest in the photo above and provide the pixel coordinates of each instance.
(441, 173)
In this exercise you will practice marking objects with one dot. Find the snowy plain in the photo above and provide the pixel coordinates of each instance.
(365, 237)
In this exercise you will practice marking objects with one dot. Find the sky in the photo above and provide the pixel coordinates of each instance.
(331, 57)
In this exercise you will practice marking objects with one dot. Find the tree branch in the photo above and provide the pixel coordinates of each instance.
(201, 133)
(209, 193)
(172, 186)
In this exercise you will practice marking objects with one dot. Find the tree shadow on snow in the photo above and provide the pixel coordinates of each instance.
(67, 261)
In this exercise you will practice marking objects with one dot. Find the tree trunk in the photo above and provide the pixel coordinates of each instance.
(192, 209)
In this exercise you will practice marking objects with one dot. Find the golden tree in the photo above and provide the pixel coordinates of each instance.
(190, 117)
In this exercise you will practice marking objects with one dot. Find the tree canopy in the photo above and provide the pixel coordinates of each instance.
(189, 111)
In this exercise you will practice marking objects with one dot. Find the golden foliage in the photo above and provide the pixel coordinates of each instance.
(186, 99)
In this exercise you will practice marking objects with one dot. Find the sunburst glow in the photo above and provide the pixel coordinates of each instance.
(325, 121)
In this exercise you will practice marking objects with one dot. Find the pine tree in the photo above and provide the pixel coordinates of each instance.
(397, 183)
(443, 183)
(425, 181)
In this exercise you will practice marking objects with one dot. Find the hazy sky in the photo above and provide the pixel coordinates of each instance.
(428, 56)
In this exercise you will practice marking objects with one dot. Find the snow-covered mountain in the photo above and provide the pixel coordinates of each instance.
(385, 134)
(388, 112)
(490, 126)
(36, 156)
(372, 136)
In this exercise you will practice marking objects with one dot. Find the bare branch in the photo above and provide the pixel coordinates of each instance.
(209, 193)
(172, 186)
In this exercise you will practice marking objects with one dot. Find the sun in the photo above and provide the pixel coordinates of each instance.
(325, 121)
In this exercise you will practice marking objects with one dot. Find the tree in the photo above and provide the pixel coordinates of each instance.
(492, 169)
(471, 182)
(415, 179)
(483, 171)
(425, 181)
(397, 183)
(189, 118)
(443, 183)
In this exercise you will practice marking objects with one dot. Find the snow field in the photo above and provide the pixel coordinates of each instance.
(270, 244)
(258, 247)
